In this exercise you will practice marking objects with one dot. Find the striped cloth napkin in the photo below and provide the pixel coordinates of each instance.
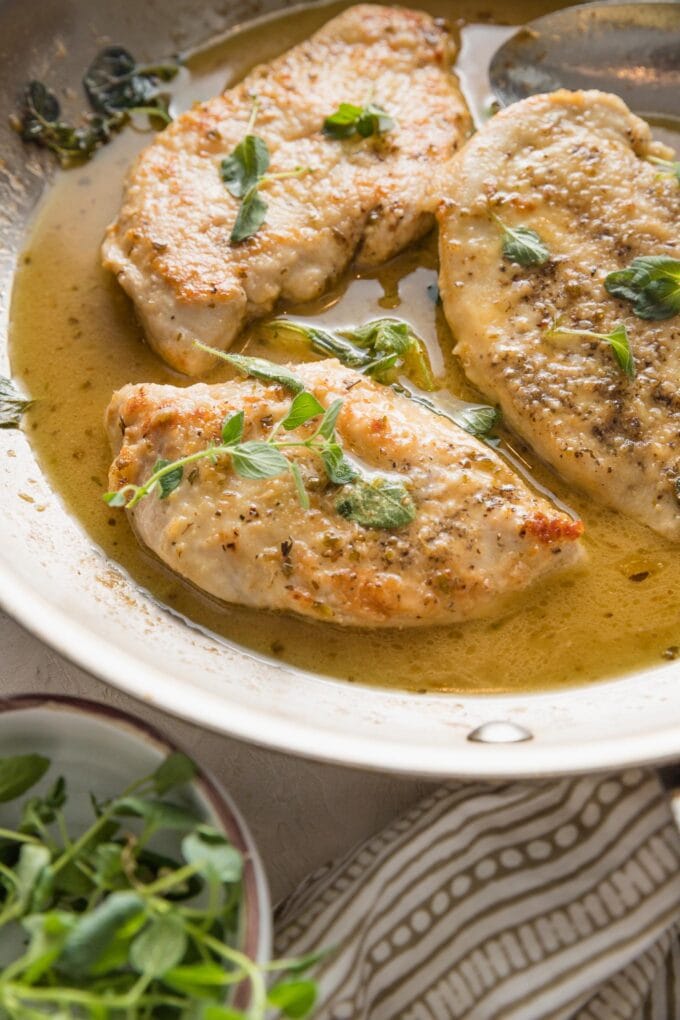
(551, 901)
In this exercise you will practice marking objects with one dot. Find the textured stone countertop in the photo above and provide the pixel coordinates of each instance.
(301, 813)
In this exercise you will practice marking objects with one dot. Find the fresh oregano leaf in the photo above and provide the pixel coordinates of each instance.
(157, 814)
(167, 483)
(244, 167)
(651, 283)
(305, 406)
(338, 468)
(19, 773)
(256, 459)
(12, 404)
(176, 770)
(350, 120)
(250, 217)
(158, 947)
(330, 418)
(94, 931)
(523, 246)
(216, 858)
(295, 999)
(232, 429)
(382, 503)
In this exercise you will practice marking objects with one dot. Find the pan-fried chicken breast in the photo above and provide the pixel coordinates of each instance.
(573, 167)
(479, 534)
(170, 245)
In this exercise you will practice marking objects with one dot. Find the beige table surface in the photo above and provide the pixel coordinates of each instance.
(301, 813)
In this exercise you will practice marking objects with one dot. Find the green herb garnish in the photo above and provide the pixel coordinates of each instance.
(116, 87)
(105, 926)
(521, 244)
(258, 368)
(258, 459)
(12, 404)
(388, 346)
(618, 341)
(351, 120)
(39, 121)
(651, 283)
(381, 348)
(116, 84)
(244, 172)
(667, 167)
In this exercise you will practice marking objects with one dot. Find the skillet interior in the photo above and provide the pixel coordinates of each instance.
(58, 585)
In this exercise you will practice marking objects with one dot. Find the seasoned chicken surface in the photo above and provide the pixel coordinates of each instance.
(573, 167)
(170, 245)
(479, 534)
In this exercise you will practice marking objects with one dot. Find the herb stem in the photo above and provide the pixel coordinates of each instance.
(258, 1004)
(74, 849)
(19, 837)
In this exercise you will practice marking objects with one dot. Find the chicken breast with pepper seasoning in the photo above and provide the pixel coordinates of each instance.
(602, 408)
(171, 246)
(475, 533)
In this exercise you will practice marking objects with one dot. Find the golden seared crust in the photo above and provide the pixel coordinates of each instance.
(170, 244)
(572, 166)
(479, 535)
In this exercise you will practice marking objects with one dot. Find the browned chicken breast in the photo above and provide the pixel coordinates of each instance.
(170, 246)
(574, 168)
(476, 533)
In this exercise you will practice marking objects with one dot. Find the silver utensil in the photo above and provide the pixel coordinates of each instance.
(632, 49)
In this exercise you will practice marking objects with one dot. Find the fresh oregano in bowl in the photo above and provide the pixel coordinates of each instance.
(102, 923)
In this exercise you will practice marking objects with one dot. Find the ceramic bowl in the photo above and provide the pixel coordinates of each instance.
(101, 749)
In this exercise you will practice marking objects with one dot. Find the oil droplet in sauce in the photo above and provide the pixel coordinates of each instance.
(75, 339)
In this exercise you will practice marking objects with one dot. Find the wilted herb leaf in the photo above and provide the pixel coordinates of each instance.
(381, 503)
(618, 342)
(19, 773)
(651, 283)
(116, 83)
(260, 368)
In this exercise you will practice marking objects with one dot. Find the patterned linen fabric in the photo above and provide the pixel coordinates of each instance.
(551, 901)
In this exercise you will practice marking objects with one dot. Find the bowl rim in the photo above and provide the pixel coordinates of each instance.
(257, 924)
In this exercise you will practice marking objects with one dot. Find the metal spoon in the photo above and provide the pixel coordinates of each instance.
(631, 49)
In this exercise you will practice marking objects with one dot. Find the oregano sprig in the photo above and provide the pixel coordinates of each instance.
(244, 172)
(95, 923)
